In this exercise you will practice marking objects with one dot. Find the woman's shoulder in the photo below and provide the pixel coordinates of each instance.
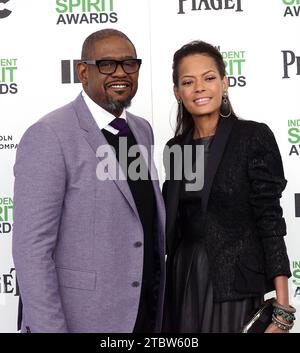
(250, 124)
(252, 127)
(257, 135)
(176, 140)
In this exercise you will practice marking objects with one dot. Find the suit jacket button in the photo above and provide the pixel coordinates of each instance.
(138, 244)
(135, 284)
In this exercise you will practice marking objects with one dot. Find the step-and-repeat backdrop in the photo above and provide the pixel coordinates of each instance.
(40, 42)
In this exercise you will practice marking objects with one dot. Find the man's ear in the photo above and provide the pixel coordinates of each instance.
(82, 73)
(176, 93)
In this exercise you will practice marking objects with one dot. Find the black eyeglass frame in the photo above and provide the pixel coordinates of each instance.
(116, 62)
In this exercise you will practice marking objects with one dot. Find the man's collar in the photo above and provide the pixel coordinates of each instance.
(102, 116)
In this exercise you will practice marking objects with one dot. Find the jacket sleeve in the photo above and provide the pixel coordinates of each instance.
(40, 177)
(267, 184)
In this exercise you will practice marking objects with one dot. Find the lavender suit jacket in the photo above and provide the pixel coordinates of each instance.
(74, 235)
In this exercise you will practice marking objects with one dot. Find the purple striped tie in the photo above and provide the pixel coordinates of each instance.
(121, 125)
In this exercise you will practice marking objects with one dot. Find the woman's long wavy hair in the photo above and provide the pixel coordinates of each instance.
(185, 121)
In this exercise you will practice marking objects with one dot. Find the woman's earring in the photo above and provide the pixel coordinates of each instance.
(180, 109)
(225, 106)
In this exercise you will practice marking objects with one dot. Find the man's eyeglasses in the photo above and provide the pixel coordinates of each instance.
(108, 67)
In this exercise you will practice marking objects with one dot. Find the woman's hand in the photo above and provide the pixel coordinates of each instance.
(274, 329)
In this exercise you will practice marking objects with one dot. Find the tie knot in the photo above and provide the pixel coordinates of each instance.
(121, 125)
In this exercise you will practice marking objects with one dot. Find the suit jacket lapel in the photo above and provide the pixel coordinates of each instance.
(95, 138)
(216, 153)
(137, 133)
(141, 140)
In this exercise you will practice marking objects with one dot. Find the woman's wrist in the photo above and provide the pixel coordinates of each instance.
(283, 316)
(283, 302)
(286, 308)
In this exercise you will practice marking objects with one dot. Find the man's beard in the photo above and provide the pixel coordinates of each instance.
(116, 106)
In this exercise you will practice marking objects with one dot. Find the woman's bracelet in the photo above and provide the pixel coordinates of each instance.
(279, 312)
(282, 325)
(287, 309)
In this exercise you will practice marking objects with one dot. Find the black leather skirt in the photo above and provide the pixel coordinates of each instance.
(189, 305)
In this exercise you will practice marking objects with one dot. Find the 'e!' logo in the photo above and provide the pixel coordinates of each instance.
(289, 59)
(4, 13)
(68, 70)
(9, 283)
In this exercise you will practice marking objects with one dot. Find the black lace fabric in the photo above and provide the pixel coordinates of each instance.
(267, 184)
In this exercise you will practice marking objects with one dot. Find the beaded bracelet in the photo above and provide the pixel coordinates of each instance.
(284, 314)
(282, 325)
(290, 309)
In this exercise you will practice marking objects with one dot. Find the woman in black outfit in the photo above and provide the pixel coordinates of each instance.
(225, 242)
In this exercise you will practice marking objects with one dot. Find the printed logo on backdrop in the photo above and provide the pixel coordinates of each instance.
(4, 12)
(296, 264)
(294, 140)
(8, 68)
(6, 216)
(68, 71)
(297, 205)
(8, 283)
(235, 64)
(292, 8)
(209, 5)
(296, 278)
(85, 12)
(291, 63)
(7, 143)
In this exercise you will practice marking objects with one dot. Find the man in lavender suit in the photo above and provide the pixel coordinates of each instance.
(89, 252)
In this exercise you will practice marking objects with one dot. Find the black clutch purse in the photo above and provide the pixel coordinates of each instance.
(260, 319)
